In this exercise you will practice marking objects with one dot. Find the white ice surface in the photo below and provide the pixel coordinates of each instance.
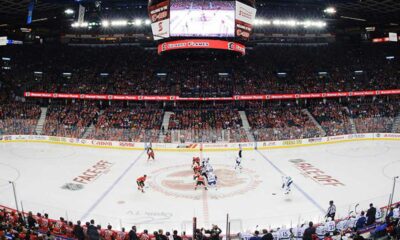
(203, 23)
(252, 197)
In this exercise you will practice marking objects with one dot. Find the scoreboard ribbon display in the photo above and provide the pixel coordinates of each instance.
(201, 44)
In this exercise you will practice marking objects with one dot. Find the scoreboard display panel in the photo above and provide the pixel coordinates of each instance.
(228, 19)
(206, 24)
(192, 18)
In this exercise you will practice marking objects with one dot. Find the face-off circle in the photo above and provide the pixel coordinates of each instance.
(177, 181)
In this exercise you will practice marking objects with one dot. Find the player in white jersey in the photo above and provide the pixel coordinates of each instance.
(378, 215)
(238, 162)
(212, 179)
(320, 231)
(352, 222)
(239, 158)
(330, 226)
(342, 225)
(209, 168)
(245, 235)
(275, 234)
(286, 184)
(396, 212)
(205, 161)
(298, 232)
(283, 234)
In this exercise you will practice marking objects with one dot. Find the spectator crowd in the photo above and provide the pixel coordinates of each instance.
(128, 70)
(371, 224)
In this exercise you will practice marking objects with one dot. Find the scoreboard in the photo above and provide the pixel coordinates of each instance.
(182, 19)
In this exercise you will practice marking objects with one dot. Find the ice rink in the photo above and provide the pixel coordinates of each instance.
(212, 23)
(84, 183)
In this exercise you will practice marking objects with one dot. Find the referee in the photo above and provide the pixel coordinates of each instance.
(331, 210)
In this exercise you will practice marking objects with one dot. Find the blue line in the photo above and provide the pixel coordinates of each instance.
(312, 200)
(101, 198)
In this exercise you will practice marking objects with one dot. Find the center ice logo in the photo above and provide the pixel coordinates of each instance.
(177, 181)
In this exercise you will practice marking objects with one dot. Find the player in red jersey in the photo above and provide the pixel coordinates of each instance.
(59, 226)
(122, 235)
(196, 169)
(140, 182)
(150, 153)
(69, 230)
(200, 181)
(109, 234)
(44, 224)
(196, 165)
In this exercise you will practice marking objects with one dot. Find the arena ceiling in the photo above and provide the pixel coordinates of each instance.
(370, 10)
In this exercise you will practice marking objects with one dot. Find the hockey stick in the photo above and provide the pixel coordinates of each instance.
(355, 208)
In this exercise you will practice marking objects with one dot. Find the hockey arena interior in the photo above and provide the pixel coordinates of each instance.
(199, 119)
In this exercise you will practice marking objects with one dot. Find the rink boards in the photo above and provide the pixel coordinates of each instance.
(201, 146)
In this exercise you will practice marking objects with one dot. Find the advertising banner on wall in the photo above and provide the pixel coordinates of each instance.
(233, 98)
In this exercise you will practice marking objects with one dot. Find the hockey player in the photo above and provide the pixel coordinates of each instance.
(284, 234)
(200, 181)
(239, 158)
(212, 179)
(150, 153)
(274, 233)
(196, 165)
(196, 161)
(378, 215)
(209, 168)
(203, 172)
(140, 182)
(205, 162)
(342, 225)
(196, 169)
(238, 162)
(330, 225)
(320, 231)
(298, 232)
(122, 235)
(108, 234)
(286, 184)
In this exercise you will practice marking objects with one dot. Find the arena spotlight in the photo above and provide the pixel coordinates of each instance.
(78, 25)
(105, 23)
(138, 22)
(119, 23)
(69, 11)
(330, 10)
(147, 22)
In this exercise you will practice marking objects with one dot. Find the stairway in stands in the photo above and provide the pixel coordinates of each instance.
(322, 131)
(42, 119)
(89, 130)
(165, 124)
(351, 121)
(396, 124)
(246, 125)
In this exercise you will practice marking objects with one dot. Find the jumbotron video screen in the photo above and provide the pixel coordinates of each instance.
(190, 18)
